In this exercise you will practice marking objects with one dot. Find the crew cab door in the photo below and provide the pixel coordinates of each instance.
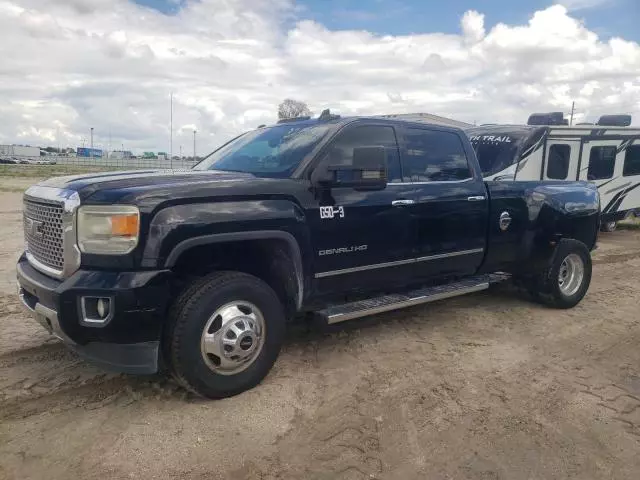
(362, 238)
(451, 206)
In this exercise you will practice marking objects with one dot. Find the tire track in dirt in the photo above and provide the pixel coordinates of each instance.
(338, 438)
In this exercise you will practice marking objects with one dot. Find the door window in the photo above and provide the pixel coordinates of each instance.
(341, 151)
(602, 161)
(558, 163)
(434, 156)
(632, 161)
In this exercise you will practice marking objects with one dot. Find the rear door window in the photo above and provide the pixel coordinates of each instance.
(434, 156)
(602, 162)
(558, 162)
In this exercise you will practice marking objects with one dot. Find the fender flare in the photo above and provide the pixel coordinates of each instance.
(296, 255)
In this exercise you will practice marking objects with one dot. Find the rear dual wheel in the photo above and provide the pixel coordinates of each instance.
(224, 334)
(566, 280)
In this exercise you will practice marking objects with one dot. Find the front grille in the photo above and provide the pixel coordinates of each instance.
(43, 232)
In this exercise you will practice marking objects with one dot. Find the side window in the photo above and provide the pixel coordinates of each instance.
(558, 163)
(434, 156)
(341, 151)
(602, 161)
(632, 161)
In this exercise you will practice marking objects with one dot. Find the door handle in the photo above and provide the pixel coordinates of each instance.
(477, 198)
(399, 203)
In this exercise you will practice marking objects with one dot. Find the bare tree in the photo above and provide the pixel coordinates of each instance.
(290, 108)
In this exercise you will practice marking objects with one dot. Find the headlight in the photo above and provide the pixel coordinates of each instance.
(108, 229)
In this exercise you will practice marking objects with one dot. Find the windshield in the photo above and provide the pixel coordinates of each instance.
(273, 152)
(496, 151)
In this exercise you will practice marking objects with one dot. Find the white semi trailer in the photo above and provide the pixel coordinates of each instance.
(19, 151)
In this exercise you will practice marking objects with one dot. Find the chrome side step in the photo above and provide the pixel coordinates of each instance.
(362, 308)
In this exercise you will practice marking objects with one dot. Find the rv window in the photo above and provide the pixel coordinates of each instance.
(602, 161)
(558, 164)
(632, 161)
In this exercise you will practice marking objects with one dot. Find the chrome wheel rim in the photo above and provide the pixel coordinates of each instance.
(571, 274)
(233, 337)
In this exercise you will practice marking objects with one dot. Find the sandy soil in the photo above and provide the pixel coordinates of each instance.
(489, 386)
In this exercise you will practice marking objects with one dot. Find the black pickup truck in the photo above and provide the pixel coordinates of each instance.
(199, 271)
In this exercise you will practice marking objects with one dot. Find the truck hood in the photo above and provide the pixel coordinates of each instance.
(91, 182)
(148, 189)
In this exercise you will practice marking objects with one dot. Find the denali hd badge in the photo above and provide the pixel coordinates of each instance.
(335, 251)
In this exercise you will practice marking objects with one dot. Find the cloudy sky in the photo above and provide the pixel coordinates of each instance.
(69, 65)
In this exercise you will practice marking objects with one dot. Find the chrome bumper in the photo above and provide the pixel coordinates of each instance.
(45, 316)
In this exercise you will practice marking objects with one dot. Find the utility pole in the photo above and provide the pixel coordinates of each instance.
(573, 104)
(194, 145)
(180, 152)
(171, 128)
(91, 142)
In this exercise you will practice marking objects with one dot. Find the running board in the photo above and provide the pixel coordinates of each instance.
(372, 306)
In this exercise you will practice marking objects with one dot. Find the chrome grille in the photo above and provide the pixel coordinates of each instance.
(43, 232)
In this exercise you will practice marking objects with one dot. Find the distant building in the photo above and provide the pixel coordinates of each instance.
(19, 151)
(120, 154)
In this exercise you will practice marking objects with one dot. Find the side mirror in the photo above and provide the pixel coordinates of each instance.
(369, 170)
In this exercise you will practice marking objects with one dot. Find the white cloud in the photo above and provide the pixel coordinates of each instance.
(473, 25)
(111, 64)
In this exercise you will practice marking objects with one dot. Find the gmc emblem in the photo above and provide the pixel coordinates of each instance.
(33, 227)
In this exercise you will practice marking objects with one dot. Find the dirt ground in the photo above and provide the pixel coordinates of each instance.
(488, 386)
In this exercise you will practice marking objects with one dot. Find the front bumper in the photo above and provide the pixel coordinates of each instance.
(129, 342)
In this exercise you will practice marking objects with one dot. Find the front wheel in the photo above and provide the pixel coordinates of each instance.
(566, 281)
(224, 334)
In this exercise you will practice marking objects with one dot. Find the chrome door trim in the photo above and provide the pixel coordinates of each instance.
(374, 266)
(450, 254)
(363, 268)
(436, 182)
(399, 203)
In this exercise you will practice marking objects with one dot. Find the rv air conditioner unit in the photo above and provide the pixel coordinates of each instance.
(551, 118)
(615, 120)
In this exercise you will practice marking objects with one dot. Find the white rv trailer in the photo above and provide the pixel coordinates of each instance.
(606, 155)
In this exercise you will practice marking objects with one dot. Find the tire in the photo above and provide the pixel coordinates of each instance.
(242, 314)
(609, 226)
(557, 286)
